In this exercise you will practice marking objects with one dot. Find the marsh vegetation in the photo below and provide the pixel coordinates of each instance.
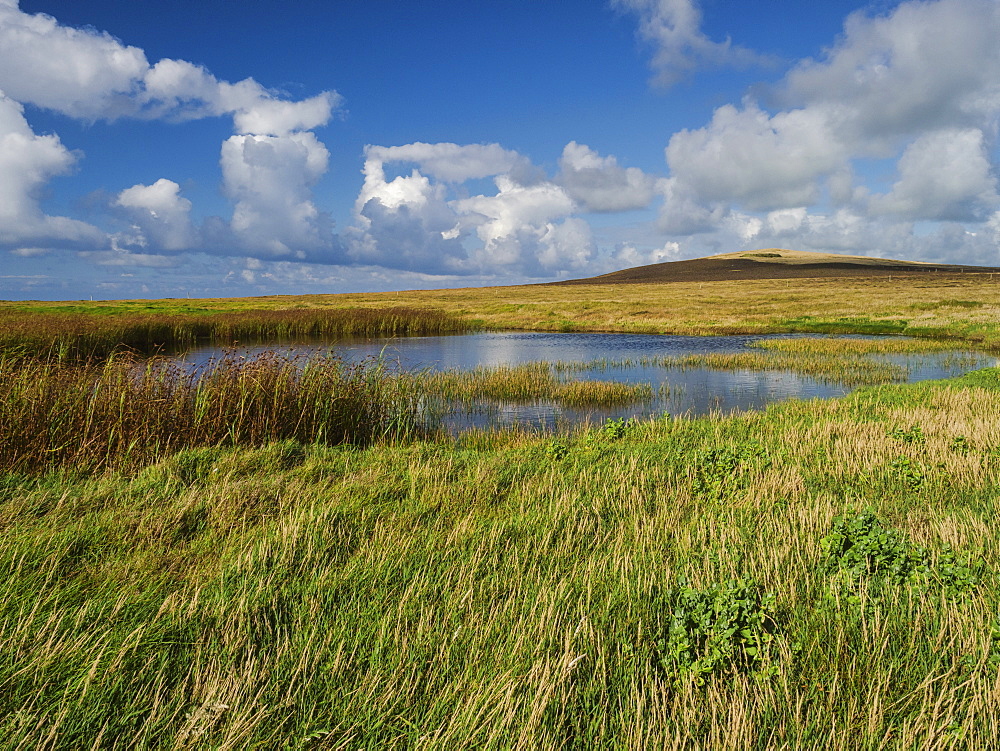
(274, 558)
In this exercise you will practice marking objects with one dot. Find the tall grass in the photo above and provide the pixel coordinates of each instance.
(844, 347)
(128, 411)
(492, 594)
(854, 371)
(528, 382)
(79, 336)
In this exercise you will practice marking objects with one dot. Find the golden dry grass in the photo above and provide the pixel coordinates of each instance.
(960, 306)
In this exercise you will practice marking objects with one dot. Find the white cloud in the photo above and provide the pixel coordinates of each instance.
(81, 72)
(451, 162)
(757, 160)
(270, 180)
(269, 168)
(517, 227)
(160, 213)
(673, 27)
(27, 162)
(926, 65)
(90, 75)
(264, 115)
(122, 257)
(919, 85)
(785, 221)
(943, 175)
(628, 255)
(599, 184)
(416, 222)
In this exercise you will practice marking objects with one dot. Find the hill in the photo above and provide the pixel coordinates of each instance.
(774, 263)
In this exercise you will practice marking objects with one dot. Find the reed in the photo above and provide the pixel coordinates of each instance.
(844, 346)
(855, 371)
(126, 411)
(81, 336)
(529, 382)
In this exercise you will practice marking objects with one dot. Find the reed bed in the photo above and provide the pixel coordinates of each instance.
(83, 336)
(856, 371)
(849, 346)
(529, 382)
(494, 593)
(126, 411)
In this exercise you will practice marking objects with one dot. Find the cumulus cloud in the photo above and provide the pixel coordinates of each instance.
(673, 28)
(451, 162)
(518, 228)
(27, 162)
(270, 179)
(761, 161)
(627, 255)
(160, 214)
(943, 175)
(918, 86)
(90, 75)
(926, 65)
(268, 168)
(418, 220)
(599, 184)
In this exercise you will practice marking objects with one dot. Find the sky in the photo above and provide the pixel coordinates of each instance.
(215, 148)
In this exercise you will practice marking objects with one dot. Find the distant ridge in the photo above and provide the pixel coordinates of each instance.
(774, 263)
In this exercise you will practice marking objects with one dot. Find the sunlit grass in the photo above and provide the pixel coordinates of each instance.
(126, 411)
(844, 346)
(527, 383)
(960, 307)
(487, 591)
(81, 336)
(242, 563)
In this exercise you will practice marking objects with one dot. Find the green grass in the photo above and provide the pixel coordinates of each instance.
(487, 591)
(962, 307)
(242, 563)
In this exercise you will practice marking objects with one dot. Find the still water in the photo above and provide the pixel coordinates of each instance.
(611, 357)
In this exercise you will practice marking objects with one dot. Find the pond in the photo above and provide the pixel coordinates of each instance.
(674, 367)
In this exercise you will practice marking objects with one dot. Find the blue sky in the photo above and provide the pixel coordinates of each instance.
(220, 148)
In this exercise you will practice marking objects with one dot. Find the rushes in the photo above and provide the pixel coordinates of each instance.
(527, 383)
(76, 336)
(856, 371)
(126, 411)
(850, 346)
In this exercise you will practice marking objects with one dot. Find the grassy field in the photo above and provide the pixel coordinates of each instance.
(965, 306)
(213, 565)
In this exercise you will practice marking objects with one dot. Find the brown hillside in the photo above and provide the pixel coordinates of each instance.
(775, 263)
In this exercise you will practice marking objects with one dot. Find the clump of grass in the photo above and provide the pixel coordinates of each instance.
(128, 411)
(829, 369)
(856, 346)
(526, 383)
(601, 393)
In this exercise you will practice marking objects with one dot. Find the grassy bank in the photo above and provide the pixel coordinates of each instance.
(676, 583)
(96, 333)
(958, 307)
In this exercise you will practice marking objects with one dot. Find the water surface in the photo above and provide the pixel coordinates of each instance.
(608, 357)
